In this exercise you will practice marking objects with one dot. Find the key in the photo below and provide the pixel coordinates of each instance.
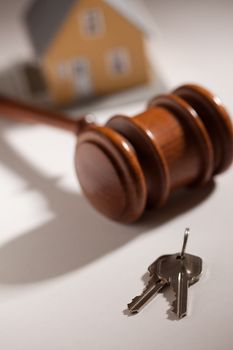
(153, 287)
(180, 271)
(180, 274)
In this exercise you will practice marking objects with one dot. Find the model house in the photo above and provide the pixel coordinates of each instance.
(89, 47)
(24, 81)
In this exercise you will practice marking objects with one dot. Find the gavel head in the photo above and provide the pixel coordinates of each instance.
(182, 139)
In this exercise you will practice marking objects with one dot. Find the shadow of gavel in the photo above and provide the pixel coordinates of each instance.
(130, 164)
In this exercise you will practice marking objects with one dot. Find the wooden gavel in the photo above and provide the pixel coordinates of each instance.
(181, 139)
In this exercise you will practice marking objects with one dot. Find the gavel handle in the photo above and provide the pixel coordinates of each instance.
(21, 111)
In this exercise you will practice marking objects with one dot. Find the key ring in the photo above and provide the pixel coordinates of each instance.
(186, 236)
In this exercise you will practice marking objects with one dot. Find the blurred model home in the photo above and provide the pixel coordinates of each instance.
(89, 47)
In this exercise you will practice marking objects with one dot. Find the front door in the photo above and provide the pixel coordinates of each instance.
(82, 77)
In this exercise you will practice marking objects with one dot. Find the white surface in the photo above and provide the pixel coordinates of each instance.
(66, 274)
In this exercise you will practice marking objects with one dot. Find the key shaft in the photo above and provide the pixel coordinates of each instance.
(180, 286)
(153, 287)
(151, 290)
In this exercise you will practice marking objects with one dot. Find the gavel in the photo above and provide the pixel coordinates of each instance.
(182, 139)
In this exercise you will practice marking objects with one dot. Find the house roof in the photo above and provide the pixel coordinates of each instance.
(136, 12)
(44, 17)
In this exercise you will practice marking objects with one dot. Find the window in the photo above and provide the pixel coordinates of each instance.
(92, 22)
(81, 73)
(62, 70)
(118, 61)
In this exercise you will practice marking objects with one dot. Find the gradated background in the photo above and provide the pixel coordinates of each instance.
(66, 273)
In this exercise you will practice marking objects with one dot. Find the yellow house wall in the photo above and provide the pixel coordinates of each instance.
(70, 43)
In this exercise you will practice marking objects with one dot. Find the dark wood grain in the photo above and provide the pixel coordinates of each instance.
(181, 139)
(216, 120)
(24, 112)
(110, 174)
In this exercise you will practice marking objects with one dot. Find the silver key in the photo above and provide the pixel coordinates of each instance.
(180, 271)
(153, 287)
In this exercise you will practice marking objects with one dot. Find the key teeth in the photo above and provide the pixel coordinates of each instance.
(134, 300)
(173, 306)
(174, 309)
(175, 297)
